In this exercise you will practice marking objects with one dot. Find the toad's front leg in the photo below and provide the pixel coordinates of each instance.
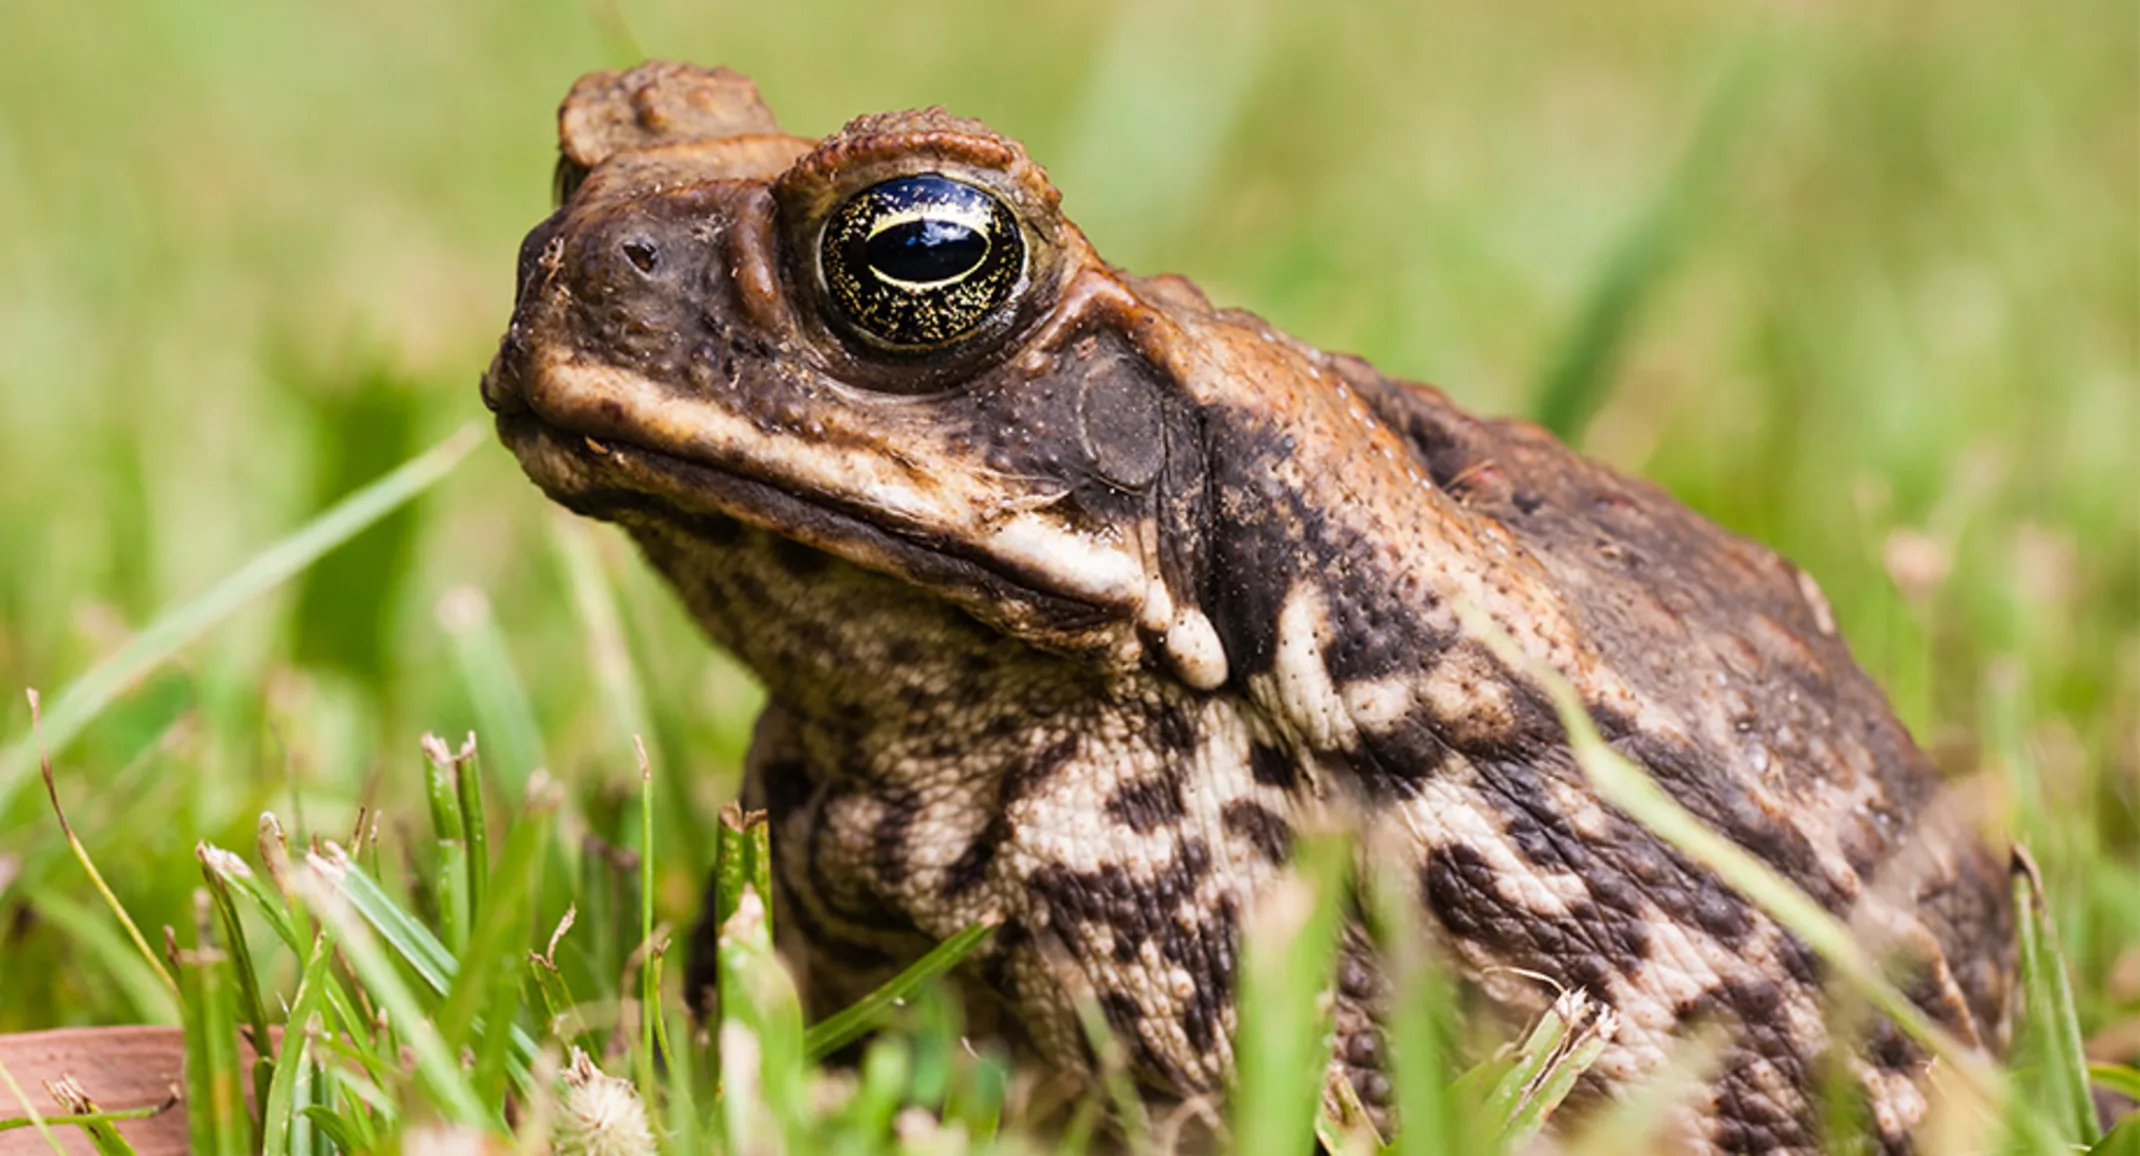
(1116, 840)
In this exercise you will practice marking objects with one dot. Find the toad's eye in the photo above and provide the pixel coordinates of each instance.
(919, 262)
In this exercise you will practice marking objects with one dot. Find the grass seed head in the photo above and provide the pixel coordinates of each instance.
(600, 1115)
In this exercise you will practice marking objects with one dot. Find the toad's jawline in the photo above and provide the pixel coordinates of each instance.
(820, 525)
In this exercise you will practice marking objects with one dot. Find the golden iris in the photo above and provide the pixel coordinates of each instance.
(918, 262)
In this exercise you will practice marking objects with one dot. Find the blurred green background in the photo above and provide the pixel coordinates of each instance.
(1861, 280)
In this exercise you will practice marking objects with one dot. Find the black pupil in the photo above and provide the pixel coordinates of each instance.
(925, 251)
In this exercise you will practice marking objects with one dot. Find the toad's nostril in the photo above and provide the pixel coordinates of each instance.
(642, 254)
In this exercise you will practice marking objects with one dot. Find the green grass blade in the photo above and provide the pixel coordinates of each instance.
(885, 1075)
(976, 1100)
(215, 1105)
(2052, 1031)
(409, 939)
(217, 866)
(247, 885)
(450, 885)
(172, 630)
(609, 657)
(608, 654)
(2124, 1140)
(1077, 1134)
(496, 1066)
(281, 1111)
(1422, 1025)
(761, 1036)
(836, 1031)
(304, 1139)
(681, 1100)
(650, 952)
(732, 857)
(97, 1124)
(1281, 1048)
(438, 1069)
(503, 715)
(286, 925)
(1560, 1048)
(2119, 1078)
(348, 1063)
(338, 1130)
(561, 1015)
(502, 933)
(467, 774)
(81, 853)
(31, 1116)
(1580, 378)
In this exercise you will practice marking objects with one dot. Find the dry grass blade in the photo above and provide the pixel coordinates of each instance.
(81, 853)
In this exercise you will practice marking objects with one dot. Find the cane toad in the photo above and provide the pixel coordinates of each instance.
(1074, 596)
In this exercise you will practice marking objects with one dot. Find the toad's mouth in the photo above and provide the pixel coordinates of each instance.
(617, 481)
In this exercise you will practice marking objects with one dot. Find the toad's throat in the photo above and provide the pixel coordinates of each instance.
(620, 482)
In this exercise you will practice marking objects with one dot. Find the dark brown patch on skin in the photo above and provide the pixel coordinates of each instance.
(1121, 1010)
(1890, 1048)
(1269, 834)
(1147, 804)
(1003, 946)
(1621, 872)
(876, 916)
(1272, 767)
(1582, 950)
(1199, 1022)
(1752, 1120)
(1028, 775)
(888, 844)
(1025, 775)
(786, 788)
(1207, 950)
(1135, 911)
(971, 867)
(1123, 1014)
(852, 954)
(1177, 732)
(1721, 804)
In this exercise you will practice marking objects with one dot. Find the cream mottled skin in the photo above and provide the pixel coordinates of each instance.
(1068, 622)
